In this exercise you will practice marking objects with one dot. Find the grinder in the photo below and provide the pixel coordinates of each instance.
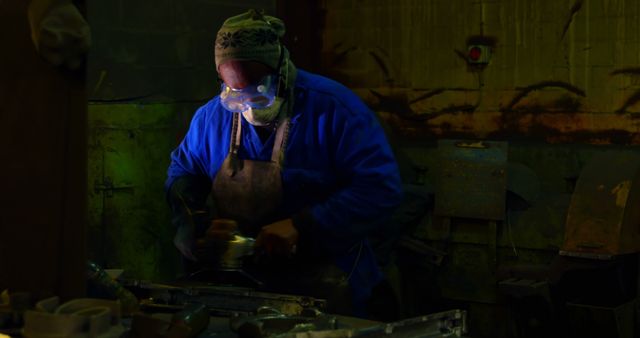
(223, 246)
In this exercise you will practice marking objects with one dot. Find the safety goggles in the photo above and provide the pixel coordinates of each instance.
(259, 95)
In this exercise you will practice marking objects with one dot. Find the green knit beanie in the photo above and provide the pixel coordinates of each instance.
(250, 36)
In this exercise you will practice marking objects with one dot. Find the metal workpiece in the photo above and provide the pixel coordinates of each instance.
(222, 300)
(269, 322)
(223, 246)
(237, 248)
(99, 280)
(225, 253)
(443, 324)
(604, 218)
(195, 316)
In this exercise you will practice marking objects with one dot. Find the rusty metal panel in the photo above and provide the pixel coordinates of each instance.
(604, 217)
(471, 180)
(599, 128)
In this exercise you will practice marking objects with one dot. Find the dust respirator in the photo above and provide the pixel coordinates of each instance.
(260, 95)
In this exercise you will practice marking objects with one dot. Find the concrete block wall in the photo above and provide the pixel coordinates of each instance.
(158, 51)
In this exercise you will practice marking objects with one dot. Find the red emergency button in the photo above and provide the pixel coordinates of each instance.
(475, 53)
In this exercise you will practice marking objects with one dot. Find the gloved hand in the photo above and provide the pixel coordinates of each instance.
(222, 230)
(278, 239)
(186, 197)
(185, 241)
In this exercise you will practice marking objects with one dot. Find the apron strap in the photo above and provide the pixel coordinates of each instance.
(282, 133)
(279, 144)
(236, 135)
(234, 145)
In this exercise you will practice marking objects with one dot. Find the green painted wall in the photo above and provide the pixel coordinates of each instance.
(129, 146)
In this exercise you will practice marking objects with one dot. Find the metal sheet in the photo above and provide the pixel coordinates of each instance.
(220, 300)
(451, 323)
(603, 217)
(471, 180)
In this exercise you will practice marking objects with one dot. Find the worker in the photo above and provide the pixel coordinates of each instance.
(298, 160)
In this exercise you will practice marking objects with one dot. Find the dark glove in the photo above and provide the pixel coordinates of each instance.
(222, 230)
(278, 239)
(186, 197)
(185, 241)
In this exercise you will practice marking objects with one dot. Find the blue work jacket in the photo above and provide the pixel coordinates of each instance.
(337, 165)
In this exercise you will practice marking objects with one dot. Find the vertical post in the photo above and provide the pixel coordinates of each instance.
(43, 133)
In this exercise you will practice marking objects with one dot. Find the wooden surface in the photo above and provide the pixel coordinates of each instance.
(43, 166)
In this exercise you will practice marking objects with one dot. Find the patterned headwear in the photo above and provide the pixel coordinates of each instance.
(250, 36)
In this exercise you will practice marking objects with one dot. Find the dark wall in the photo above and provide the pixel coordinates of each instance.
(157, 50)
(305, 24)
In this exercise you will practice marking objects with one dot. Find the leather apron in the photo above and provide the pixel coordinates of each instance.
(250, 192)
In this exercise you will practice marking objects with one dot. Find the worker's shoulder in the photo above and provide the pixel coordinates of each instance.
(211, 113)
(324, 89)
(208, 123)
(209, 108)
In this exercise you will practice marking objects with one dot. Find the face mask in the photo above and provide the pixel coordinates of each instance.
(260, 95)
(265, 116)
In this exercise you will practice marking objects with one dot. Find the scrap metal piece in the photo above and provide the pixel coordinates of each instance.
(604, 218)
(194, 316)
(270, 322)
(144, 325)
